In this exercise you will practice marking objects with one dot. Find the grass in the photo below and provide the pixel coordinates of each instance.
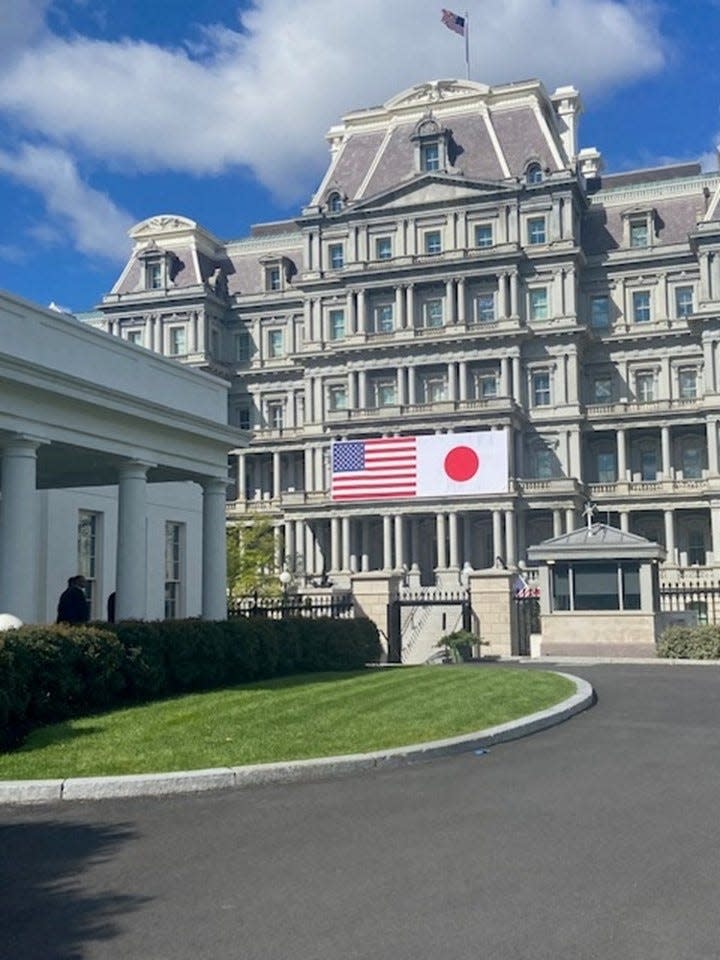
(291, 718)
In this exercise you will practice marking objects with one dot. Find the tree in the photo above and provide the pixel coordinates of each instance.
(251, 561)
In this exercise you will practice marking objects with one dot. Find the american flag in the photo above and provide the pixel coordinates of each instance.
(380, 468)
(453, 22)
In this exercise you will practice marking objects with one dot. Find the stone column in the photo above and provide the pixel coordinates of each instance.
(19, 594)
(461, 299)
(569, 519)
(364, 545)
(452, 381)
(362, 390)
(493, 611)
(399, 306)
(712, 446)
(517, 391)
(502, 295)
(387, 542)
(299, 557)
(462, 381)
(335, 543)
(352, 312)
(665, 445)
(345, 527)
(450, 315)
(399, 541)
(289, 554)
(621, 457)
(670, 535)
(453, 536)
(514, 290)
(361, 312)
(131, 576)
(625, 521)
(276, 478)
(510, 539)
(557, 523)
(214, 564)
(440, 538)
(410, 315)
(498, 546)
(411, 385)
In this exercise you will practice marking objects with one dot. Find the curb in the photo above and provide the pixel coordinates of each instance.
(294, 771)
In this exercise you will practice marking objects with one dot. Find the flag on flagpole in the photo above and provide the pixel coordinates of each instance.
(454, 22)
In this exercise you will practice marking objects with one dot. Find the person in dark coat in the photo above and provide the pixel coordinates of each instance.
(73, 606)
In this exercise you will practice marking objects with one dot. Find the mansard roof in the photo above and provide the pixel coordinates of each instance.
(495, 132)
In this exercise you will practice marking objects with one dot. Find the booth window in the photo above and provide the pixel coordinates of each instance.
(596, 585)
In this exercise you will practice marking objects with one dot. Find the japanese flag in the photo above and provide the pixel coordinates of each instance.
(462, 464)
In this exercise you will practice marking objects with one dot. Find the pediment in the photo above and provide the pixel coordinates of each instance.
(431, 189)
(165, 223)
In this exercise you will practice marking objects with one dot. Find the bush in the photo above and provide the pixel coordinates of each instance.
(50, 673)
(690, 643)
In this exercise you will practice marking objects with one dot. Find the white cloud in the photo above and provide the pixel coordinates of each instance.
(97, 226)
(265, 97)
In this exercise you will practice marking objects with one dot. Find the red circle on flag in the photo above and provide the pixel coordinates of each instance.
(461, 463)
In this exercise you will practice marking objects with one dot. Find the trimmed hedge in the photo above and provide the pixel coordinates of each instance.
(690, 643)
(51, 673)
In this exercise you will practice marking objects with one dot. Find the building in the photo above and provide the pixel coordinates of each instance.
(463, 266)
(113, 464)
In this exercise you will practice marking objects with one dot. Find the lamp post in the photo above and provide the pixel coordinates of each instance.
(285, 578)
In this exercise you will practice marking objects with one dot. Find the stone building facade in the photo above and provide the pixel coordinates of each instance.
(463, 266)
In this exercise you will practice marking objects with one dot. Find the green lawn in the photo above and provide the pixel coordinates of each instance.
(291, 718)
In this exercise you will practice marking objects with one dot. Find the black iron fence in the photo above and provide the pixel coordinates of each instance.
(337, 606)
(700, 598)
(527, 621)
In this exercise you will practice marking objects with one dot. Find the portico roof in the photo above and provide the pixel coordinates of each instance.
(596, 542)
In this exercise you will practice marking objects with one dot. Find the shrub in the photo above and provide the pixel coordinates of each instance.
(50, 673)
(690, 643)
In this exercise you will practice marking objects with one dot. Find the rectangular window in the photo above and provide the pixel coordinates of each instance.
(648, 465)
(336, 253)
(483, 235)
(383, 248)
(561, 586)
(383, 318)
(173, 570)
(177, 341)
(638, 233)
(336, 324)
(631, 585)
(434, 389)
(242, 417)
(242, 347)
(87, 565)
(692, 461)
(487, 386)
(485, 308)
(641, 306)
(541, 388)
(384, 393)
(683, 301)
(272, 278)
(276, 345)
(644, 387)
(433, 242)
(696, 547)
(538, 301)
(276, 415)
(542, 460)
(154, 276)
(433, 313)
(687, 383)
(430, 156)
(606, 467)
(600, 312)
(602, 389)
(536, 230)
(337, 397)
(135, 336)
(596, 586)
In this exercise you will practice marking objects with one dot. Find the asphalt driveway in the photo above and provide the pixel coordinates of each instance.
(598, 838)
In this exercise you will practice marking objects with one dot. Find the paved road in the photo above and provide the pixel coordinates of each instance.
(597, 839)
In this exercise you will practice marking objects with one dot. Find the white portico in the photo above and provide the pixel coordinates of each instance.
(83, 411)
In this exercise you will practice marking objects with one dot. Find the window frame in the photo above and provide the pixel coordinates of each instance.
(383, 252)
(536, 231)
(432, 242)
(684, 309)
(538, 309)
(537, 391)
(336, 255)
(641, 305)
(174, 570)
(275, 343)
(486, 313)
(483, 245)
(595, 316)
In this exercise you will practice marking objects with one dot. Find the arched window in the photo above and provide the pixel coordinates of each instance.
(533, 173)
(335, 203)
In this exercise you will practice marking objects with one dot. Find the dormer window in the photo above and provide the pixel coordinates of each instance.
(277, 272)
(533, 173)
(159, 267)
(431, 145)
(272, 278)
(639, 227)
(335, 203)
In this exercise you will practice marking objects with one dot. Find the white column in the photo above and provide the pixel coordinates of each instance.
(335, 543)
(276, 478)
(452, 381)
(309, 549)
(665, 445)
(362, 390)
(440, 537)
(569, 520)
(453, 536)
(514, 283)
(625, 521)
(461, 298)
(411, 385)
(670, 535)
(361, 308)
(131, 577)
(399, 541)
(351, 312)
(517, 391)
(214, 564)
(299, 558)
(498, 548)
(450, 314)
(410, 312)
(557, 523)
(242, 477)
(364, 545)
(19, 531)
(387, 542)
(399, 306)
(345, 527)
(462, 380)
(712, 447)
(503, 295)
(510, 539)
(621, 456)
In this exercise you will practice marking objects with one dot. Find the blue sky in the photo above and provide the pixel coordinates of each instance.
(113, 111)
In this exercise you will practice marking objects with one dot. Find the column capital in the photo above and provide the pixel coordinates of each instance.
(134, 468)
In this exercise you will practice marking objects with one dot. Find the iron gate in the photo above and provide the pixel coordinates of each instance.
(421, 599)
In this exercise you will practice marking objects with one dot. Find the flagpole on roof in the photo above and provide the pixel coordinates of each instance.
(467, 45)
